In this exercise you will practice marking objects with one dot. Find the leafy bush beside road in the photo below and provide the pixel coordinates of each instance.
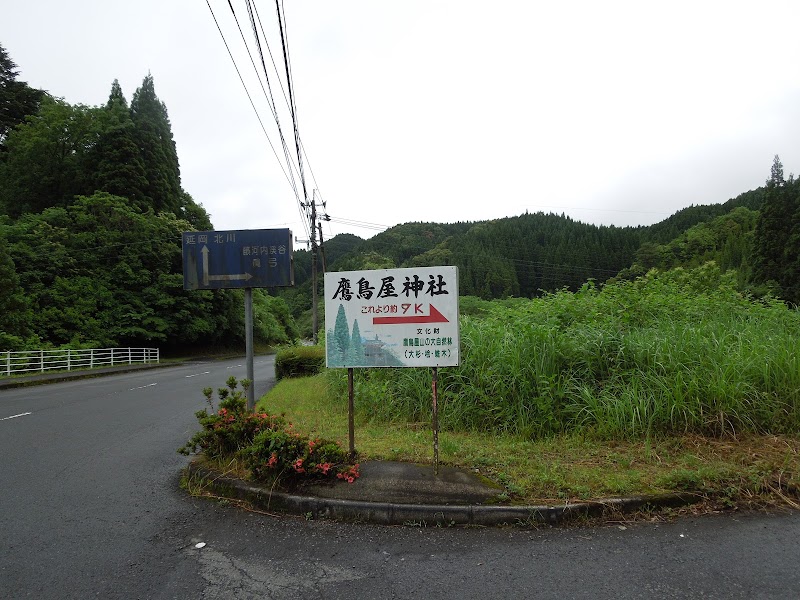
(266, 444)
(299, 361)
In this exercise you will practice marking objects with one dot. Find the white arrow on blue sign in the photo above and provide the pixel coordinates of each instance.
(237, 259)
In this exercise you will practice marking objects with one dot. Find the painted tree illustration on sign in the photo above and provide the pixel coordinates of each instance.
(355, 354)
(341, 334)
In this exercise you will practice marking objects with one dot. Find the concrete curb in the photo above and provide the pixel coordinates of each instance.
(386, 513)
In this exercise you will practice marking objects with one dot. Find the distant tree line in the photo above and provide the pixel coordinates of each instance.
(756, 235)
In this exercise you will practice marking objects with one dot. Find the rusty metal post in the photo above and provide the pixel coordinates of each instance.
(350, 411)
(435, 421)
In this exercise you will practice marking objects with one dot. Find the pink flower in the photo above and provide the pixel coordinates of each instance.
(298, 466)
(273, 460)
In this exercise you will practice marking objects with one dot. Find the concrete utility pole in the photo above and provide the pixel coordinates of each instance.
(314, 314)
(315, 248)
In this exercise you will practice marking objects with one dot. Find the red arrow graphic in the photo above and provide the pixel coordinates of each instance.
(434, 317)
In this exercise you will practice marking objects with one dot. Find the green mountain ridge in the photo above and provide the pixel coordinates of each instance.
(523, 255)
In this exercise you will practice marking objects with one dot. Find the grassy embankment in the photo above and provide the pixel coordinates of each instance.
(671, 383)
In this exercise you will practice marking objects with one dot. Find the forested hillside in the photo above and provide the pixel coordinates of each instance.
(91, 215)
(531, 254)
(92, 207)
(534, 253)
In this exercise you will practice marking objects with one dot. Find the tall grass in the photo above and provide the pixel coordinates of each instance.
(671, 352)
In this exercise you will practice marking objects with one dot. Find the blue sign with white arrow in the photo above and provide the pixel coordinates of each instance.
(237, 259)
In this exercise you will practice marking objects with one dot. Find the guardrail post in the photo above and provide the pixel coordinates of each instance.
(91, 358)
(41, 360)
(130, 357)
(8, 363)
(69, 359)
(112, 357)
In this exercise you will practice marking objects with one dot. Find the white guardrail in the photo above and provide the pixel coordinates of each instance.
(39, 361)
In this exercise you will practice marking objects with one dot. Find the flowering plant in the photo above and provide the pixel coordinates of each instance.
(268, 446)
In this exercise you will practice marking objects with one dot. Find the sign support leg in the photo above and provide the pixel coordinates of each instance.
(435, 420)
(248, 337)
(350, 411)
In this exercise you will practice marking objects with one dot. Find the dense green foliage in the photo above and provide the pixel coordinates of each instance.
(777, 236)
(727, 240)
(299, 361)
(17, 98)
(672, 352)
(91, 215)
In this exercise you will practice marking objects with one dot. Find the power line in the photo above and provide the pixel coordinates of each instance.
(292, 102)
(361, 224)
(283, 91)
(249, 97)
(270, 99)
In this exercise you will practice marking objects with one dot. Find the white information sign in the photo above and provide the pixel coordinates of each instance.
(392, 318)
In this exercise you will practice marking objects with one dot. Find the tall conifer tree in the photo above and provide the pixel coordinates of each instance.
(118, 166)
(157, 147)
(17, 98)
(777, 234)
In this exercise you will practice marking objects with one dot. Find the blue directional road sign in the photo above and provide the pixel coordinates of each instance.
(237, 259)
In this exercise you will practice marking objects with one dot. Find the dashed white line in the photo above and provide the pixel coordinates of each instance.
(141, 387)
(15, 416)
(233, 367)
(196, 374)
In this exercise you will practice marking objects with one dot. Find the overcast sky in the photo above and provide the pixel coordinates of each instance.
(611, 112)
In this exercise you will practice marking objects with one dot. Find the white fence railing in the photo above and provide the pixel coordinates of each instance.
(39, 361)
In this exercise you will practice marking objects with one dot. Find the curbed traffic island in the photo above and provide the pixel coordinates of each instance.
(392, 493)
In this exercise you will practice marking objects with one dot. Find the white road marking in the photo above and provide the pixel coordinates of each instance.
(233, 367)
(15, 416)
(141, 387)
(196, 374)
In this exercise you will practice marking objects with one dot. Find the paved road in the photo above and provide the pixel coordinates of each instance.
(90, 507)
(89, 478)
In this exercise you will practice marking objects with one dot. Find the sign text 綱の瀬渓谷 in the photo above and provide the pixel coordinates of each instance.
(237, 259)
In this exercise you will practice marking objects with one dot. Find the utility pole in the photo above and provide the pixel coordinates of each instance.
(314, 314)
(315, 248)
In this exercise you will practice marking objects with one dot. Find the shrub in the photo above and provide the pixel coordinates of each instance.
(292, 456)
(269, 448)
(299, 361)
(231, 428)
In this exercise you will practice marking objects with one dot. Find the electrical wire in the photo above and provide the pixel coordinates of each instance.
(249, 97)
(292, 102)
(354, 223)
(283, 90)
(270, 101)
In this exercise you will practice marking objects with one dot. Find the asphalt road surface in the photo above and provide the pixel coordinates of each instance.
(90, 507)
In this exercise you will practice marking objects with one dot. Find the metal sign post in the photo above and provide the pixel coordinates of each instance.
(248, 343)
(350, 415)
(435, 419)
